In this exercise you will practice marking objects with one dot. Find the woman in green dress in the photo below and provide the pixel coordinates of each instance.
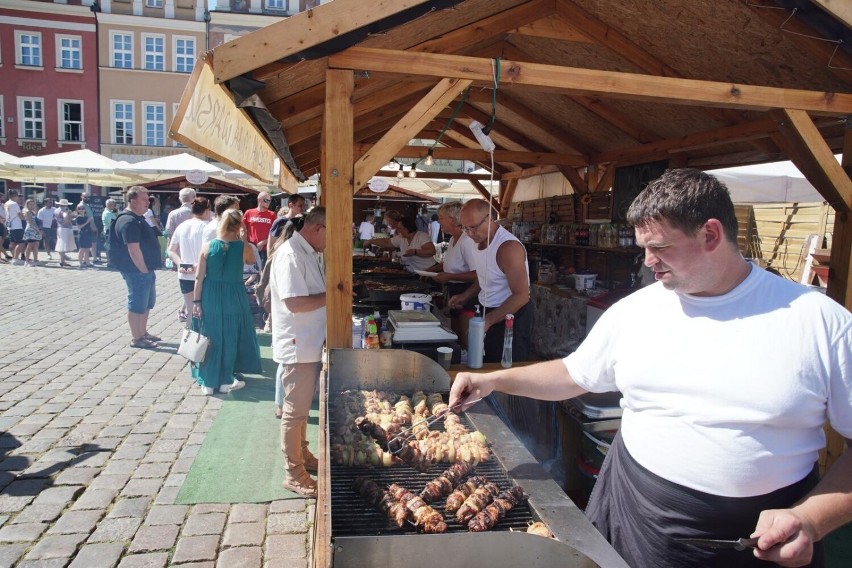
(221, 304)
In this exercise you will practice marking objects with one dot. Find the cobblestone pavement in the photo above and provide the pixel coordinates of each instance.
(97, 437)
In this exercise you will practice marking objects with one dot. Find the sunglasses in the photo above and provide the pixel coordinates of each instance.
(265, 200)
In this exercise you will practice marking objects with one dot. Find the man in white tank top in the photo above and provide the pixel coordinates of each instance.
(502, 283)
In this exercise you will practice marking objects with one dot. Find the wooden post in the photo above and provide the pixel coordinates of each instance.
(840, 285)
(337, 189)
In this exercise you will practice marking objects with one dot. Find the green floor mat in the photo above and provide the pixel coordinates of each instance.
(240, 460)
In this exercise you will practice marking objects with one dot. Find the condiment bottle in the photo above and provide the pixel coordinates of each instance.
(475, 341)
(506, 361)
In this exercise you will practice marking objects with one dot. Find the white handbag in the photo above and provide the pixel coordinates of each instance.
(193, 346)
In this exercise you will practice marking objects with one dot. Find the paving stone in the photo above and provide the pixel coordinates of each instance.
(286, 563)
(244, 534)
(58, 495)
(244, 557)
(247, 513)
(121, 466)
(10, 504)
(40, 513)
(205, 508)
(10, 553)
(175, 480)
(46, 563)
(91, 459)
(167, 515)
(95, 499)
(142, 487)
(198, 565)
(130, 452)
(135, 507)
(156, 560)
(151, 538)
(167, 496)
(77, 476)
(23, 532)
(195, 548)
(112, 481)
(287, 506)
(160, 457)
(60, 546)
(286, 523)
(285, 546)
(98, 556)
(152, 470)
(211, 523)
(77, 522)
(182, 465)
(114, 530)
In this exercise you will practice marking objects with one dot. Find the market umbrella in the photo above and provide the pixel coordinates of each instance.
(167, 167)
(779, 182)
(76, 166)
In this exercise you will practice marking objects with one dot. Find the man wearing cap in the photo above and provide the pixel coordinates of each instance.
(258, 223)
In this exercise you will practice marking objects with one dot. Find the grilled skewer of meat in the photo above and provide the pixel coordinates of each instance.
(486, 519)
(476, 502)
(380, 499)
(444, 484)
(457, 497)
(423, 515)
(409, 453)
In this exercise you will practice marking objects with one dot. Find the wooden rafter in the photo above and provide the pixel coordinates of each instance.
(507, 196)
(486, 195)
(474, 155)
(421, 114)
(840, 275)
(592, 82)
(552, 26)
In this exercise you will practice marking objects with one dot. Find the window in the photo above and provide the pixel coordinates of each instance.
(155, 124)
(154, 3)
(184, 54)
(154, 52)
(175, 107)
(32, 118)
(275, 4)
(68, 52)
(29, 48)
(122, 122)
(2, 121)
(122, 50)
(71, 121)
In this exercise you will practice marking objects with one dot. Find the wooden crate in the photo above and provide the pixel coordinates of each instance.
(563, 209)
(598, 207)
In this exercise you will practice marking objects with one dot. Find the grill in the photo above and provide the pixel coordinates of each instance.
(352, 517)
(351, 533)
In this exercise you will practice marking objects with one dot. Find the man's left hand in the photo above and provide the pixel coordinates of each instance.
(785, 538)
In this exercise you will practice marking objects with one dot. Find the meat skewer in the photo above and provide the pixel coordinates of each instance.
(444, 484)
(502, 504)
(409, 453)
(476, 502)
(381, 500)
(457, 497)
(421, 514)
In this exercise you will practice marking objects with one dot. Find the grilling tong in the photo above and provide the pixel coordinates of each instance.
(738, 544)
(397, 443)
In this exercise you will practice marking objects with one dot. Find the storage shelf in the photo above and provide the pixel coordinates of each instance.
(618, 250)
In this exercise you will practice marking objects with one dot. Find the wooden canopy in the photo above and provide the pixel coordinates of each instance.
(572, 86)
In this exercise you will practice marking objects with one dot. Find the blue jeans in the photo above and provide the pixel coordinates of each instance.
(141, 291)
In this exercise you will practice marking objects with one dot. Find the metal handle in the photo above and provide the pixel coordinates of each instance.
(407, 433)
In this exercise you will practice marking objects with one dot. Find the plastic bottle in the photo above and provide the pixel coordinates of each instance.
(377, 317)
(506, 361)
(475, 341)
(372, 341)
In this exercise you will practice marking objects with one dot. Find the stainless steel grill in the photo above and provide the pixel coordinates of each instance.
(350, 533)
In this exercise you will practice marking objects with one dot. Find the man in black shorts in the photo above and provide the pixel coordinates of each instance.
(15, 224)
(135, 251)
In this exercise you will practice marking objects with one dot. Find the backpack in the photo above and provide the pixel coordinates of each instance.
(117, 254)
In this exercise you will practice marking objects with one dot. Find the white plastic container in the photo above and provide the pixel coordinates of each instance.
(584, 281)
(418, 302)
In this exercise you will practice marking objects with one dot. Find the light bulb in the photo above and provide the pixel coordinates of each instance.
(412, 173)
(399, 174)
(429, 159)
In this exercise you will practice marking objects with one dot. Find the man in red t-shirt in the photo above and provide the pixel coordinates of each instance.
(258, 222)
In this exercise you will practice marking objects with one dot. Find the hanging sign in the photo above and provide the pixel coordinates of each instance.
(378, 185)
(196, 177)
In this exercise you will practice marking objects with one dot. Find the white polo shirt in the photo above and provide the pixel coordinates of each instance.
(188, 240)
(297, 270)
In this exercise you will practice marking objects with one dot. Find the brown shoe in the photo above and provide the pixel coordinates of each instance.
(311, 462)
(306, 486)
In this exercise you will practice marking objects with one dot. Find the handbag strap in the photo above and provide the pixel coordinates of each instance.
(196, 324)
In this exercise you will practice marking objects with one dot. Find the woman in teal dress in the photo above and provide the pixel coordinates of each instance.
(221, 304)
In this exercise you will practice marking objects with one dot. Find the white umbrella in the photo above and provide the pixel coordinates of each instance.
(167, 167)
(778, 182)
(77, 166)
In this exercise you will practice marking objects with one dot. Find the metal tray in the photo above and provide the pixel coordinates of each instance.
(598, 405)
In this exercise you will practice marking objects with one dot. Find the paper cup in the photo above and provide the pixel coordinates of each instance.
(445, 357)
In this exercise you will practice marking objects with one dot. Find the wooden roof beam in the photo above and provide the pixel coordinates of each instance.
(502, 134)
(814, 158)
(530, 172)
(574, 80)
(472, 155)
(840, 272)
(300, 32)
(506, 196)
(486, 195)
(420, 115)
(552, 26)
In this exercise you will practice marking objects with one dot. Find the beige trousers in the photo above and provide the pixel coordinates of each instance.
(299, 382)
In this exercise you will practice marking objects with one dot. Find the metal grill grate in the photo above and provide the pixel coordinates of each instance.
(350, 516)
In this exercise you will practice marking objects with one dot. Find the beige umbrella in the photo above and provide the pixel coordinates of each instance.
(77, 166)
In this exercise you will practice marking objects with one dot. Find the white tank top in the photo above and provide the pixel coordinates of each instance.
(494, 287)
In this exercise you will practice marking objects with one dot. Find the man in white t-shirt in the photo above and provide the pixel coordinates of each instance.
(221, 204)
(297, 291)
(728, 374)
(5, 257)
(47, 216)
(15, 224)
(185, 248)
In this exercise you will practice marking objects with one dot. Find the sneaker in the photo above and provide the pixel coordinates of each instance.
(30, 263)
(267, 327)
(236, 385)
(50, 256)
(98, 261)
(181, 316)
(18, 262)
(207, 390)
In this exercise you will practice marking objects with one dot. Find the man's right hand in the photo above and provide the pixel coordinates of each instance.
(469, 387)
(456, 302)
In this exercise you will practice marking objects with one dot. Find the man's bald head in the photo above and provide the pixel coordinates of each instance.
(478, 207)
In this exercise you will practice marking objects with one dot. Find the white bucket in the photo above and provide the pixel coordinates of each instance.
(584, 281)
(418, 302)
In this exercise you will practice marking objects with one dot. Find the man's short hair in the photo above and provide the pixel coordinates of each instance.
(109, 202)
(686, 199)
(294, 198)
(409, 224)
(186, 195)
(134, 192)
(315, 216)
(13, 193)
(223, 203)
(200, 205)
